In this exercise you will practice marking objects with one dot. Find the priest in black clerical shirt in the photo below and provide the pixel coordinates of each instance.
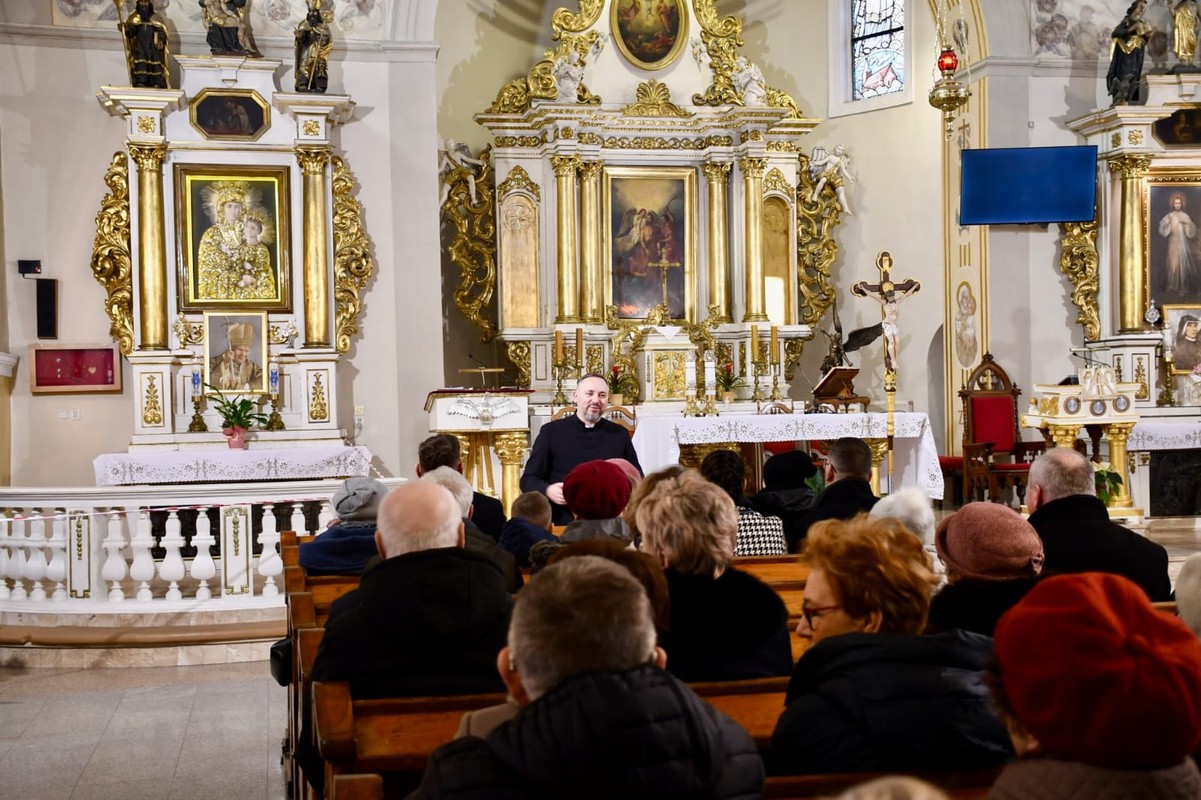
(566, 443)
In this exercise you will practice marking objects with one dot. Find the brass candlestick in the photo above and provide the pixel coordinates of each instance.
(197, 425)
(275, 422)
(776, 394)
(691, 408)
(559, 369)
(759, 368)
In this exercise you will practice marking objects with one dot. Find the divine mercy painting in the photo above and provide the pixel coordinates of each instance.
(651, 254)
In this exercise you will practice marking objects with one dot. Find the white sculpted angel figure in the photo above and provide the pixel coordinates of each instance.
(569, 74)
(457, 155)
(831, 168)
(748, 80)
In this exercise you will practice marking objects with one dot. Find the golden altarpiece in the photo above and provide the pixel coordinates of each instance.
(230, 234)
(1136, 277)
(652, 209)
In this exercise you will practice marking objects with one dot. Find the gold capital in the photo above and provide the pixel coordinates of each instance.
(564, 165)
(148, 156)
(752, 167)
(510, 448)
(590, 170)
(716, 171)
(313, 160)
(1131, 165)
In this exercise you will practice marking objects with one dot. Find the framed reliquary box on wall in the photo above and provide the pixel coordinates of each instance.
(74, 368)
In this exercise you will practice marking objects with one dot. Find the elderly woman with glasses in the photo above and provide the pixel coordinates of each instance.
(871, 694)
(725, 624)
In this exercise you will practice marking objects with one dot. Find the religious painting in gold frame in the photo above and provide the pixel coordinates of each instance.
(1184, 322)
(1172, 200)
(650, 240)
(232, 228)
(651, 34)
(232, 115)
(235, 352)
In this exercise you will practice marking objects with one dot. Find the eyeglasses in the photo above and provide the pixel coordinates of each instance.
(816, 612)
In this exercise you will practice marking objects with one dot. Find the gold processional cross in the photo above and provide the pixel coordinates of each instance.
(664, 265)
(889, 295)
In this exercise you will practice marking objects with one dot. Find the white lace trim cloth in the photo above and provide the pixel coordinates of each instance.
(1184, 434)
(915, 456)
(228, 466)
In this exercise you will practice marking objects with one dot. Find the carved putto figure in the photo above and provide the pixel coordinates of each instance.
(569, 74)
(457, 156)
(146, 48)
(314, 43)
(833, 169)
(748, 80)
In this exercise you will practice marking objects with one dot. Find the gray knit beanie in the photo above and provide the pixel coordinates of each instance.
(358, 499)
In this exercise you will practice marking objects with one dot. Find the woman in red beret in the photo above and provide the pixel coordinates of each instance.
(1101, 694)
(871, 694)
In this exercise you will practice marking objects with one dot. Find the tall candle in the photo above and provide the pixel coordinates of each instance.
(196, 380)
(579, 346)
(558, 347)
(775, 345)
(689, 373)
(754, 343)
(710, 375)
(274, 379)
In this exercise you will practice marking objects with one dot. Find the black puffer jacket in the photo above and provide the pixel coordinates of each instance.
(883, 702)
(790, 505)
(635, 734)
(725, 629)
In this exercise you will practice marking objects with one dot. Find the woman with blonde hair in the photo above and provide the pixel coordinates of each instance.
(870, 694)
(725, 624)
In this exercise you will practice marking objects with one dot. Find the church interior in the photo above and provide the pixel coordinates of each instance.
(455, 210)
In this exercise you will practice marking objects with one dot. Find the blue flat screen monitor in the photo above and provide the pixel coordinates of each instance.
(1025, 185)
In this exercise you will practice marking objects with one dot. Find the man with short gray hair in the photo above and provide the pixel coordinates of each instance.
(599, 716)
(475, 540)
(1077, 533)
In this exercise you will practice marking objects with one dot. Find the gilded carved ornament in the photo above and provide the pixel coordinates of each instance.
(313, 159)
(1130, 165)
(565, 165)
(519, 354)
(112, 265)
(574, 22)
(311, 127)
(655, 143)
(722, 36)
(816, 247)
(186, 332)
(318, 409)
(1081, 264)
(152, 411)
(148, 157)
(353, 259)
(522, 141)
(776, 182)
(653, 99)
(518, 180)
(669, 375)
(752, 167)
(629, 336)
(590, 170)
(510, 447)
(1134, 137)
(469, 210)
(540, 82)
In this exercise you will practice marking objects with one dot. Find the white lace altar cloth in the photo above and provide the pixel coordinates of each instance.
(229, 466)
(1176, 434)
(915, 456)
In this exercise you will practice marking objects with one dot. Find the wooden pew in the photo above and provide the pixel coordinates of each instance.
(957, 785)
(396, 736)
(325, 589)
(357, 787)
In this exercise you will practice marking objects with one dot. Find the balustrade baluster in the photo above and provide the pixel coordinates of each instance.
(5, 522)
(298, 517)
(270, 564)
(171, 567)
(142, 568)
(203, 568)
(114, 563)
(35, 557)
(325, 515)
(57, 571)
(16, 559)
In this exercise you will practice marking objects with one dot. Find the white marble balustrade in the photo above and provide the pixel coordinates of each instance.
(90, 550)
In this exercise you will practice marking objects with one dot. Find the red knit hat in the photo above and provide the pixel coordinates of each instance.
(1097, 675)
(596, 490)
(989, 542)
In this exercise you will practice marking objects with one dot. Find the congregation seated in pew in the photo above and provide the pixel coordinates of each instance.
(871, 693)
(346, 547)
(599, 716)
(758, 535)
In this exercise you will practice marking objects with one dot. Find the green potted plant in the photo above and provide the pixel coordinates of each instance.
(728, 381)
(238, 415)
(1109, 483)
(620, 384)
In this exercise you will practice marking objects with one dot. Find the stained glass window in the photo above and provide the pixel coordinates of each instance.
(877, 48)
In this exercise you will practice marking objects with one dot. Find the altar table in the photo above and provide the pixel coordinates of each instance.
(915, 456)
(226, 466)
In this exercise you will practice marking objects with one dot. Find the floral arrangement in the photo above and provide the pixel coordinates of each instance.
(236, 412)
(619, 381)
(1109, 483)
(727, 379)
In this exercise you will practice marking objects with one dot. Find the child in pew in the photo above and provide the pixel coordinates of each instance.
(346, 546)
(871, 694)
(529, 524)
(1101, 694)
(599, 717)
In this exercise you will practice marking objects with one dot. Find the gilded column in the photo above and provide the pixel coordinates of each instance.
(313, 163)
(716, 173)
(510, 448)
(752, 190)
(1130, 239)
(152, 247)
(590, 242)
(1116, 433)
(569, 288)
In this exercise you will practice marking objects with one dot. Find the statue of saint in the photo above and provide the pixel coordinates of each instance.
(1184, 25)
(831, 168)
(228, 31)
(313, 46)
(1129, 46)
(146, 48)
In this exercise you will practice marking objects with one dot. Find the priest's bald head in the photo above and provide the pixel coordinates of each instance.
(420, 515)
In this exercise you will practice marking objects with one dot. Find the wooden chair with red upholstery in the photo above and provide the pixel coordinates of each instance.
(994, 455)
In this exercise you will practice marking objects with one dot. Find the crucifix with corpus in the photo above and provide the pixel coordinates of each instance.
(889, 295)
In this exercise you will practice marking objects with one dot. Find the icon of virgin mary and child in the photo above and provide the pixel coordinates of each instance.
(233, 260)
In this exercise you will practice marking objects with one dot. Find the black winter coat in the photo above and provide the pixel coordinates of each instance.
(842, 499)
(887, 702)
(725, 629)
(1078, 536)
(975, 605)
(640, 733)
(790, 505)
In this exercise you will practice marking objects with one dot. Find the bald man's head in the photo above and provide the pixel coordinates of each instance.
(420, 515)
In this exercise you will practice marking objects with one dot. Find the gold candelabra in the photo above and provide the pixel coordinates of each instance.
(275, 422)
(197, 424)
(776, 394)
